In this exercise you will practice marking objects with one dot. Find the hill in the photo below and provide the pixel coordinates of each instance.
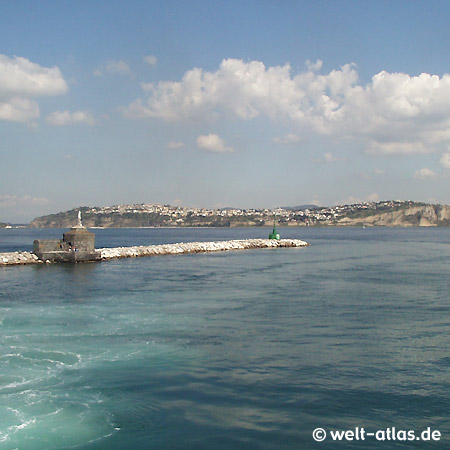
(154, 215)
(386, 213)
(300, 207)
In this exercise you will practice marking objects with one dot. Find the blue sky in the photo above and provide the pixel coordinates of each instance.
(211, 104)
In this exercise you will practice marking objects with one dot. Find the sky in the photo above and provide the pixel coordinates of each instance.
(237, 103)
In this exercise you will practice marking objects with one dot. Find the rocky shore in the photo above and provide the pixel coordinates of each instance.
(17, 258)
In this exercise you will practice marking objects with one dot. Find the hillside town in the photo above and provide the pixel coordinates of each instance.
(157, 215)
(283, 215)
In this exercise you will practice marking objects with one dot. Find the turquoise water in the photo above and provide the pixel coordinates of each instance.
(234, 350)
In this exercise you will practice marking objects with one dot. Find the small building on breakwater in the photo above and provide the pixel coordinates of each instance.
(77, 245)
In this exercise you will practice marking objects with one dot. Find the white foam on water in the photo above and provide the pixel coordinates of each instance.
(54, 419)
(50, 405)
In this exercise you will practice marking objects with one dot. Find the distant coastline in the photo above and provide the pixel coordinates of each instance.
(385, 213)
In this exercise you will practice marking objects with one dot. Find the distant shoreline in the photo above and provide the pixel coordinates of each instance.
(282, 226)
(383, 213)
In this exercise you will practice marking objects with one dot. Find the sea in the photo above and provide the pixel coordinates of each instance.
(258, 349)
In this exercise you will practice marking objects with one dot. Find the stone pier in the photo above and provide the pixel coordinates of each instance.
(17, 258)
(197, 247)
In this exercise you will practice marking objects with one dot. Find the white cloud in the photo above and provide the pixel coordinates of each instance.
(150, 59)
(213, 143)
(20, 82)
(424, 174)
(19, 77)
(329, 158)
(395, 113)
(20, 209)
(445, 160)
(19, 110)
(9, 201)
(173, 145)
(62, 118)
(113, 67)
(397, 148)
(290, 138)
(314, 66)
(379, 172)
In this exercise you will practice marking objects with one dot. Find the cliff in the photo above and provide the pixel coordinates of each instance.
(414, 216)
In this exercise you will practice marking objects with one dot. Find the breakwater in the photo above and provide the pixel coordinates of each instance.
(197, 247)
(17, 258)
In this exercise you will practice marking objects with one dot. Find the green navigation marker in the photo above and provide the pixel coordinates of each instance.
(274, 234)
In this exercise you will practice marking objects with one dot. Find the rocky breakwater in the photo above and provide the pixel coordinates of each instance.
(197, 247)
(17, 258)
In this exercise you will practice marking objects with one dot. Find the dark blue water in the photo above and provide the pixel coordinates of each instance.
(234, 350)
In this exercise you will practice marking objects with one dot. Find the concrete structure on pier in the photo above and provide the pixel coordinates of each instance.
(77, 245)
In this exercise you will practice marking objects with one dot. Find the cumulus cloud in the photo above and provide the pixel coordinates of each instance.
(424, 174)
(445, 160)
(8, 201)
(213, 143)
(21, 208)
(19, 110)
(113, 67)
(244, 90)
(395, 113)
(150, 59)
(173, 145)
(314, 66)
(62, 118)
(290, 138)
(19, 77)
(328, 157)
(397, 148)
(21, 81)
